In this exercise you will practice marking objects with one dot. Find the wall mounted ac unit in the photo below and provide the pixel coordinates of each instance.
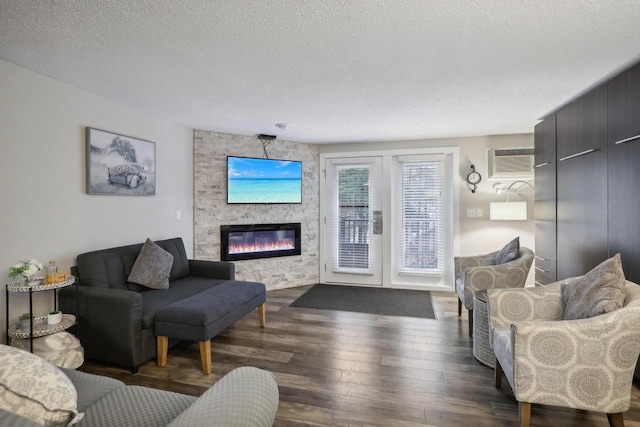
(510, 163)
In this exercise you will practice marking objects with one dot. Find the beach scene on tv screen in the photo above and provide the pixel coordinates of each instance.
(264, 181)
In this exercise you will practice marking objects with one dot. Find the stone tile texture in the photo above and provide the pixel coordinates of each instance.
(210, 151)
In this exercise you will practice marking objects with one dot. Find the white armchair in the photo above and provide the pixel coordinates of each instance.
(583, 364)
(479, 273)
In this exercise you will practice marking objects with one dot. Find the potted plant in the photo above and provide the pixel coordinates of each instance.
(25, 321)
(54, 317)
(26, 271)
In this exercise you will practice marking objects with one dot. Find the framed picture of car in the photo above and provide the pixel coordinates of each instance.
(119, 165)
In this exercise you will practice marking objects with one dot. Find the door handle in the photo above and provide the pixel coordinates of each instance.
(377, 222)
(582, 153)
(622, 141)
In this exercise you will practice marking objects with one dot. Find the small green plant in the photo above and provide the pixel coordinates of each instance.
(18, 271)
(25, 268)
(55, 312)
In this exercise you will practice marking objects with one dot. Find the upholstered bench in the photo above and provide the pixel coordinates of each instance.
(203, 316)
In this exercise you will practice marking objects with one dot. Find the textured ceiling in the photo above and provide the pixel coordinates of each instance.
(335, 70)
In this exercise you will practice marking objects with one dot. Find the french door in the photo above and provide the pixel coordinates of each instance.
(414, 191)
(353, 218)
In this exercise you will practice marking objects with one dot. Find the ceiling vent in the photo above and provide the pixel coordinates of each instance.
(510, 163)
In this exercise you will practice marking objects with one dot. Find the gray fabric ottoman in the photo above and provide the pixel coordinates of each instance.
(203, 316)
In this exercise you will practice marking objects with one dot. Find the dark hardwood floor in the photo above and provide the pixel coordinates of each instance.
(353, 369)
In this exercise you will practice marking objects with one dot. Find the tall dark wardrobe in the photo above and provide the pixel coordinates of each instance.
(587, 178)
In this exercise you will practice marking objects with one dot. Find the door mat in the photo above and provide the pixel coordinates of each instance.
(388, 302)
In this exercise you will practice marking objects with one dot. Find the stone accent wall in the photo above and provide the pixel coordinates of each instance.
(210, 153)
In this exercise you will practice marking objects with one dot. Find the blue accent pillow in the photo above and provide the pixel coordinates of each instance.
(510, 252)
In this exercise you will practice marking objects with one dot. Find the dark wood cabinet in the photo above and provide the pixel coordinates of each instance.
(624, 107)
(624, 170)
(581, 126)
(545, 200)
(581, 223)
(597, 143)
(545, 145)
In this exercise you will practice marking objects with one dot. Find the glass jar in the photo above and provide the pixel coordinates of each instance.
(52, 269)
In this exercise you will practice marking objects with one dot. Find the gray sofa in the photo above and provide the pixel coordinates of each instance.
(116, 317)
(245, 397)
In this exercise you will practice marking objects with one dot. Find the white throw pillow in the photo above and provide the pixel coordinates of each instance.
(35, 389)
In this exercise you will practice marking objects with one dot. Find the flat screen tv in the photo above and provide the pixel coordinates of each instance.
(251, 180)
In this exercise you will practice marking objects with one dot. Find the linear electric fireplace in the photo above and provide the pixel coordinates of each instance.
(240, 242)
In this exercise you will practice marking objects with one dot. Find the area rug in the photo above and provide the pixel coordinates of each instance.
(389, 302)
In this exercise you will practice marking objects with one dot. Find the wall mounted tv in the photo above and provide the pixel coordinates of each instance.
(251, 180)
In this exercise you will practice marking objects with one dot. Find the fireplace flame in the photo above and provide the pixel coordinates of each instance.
(243, 248)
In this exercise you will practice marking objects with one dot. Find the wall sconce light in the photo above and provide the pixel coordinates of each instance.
(509, 211)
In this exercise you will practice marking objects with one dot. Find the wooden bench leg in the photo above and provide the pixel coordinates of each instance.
(205, 356)
(262, 314)
(163, 347)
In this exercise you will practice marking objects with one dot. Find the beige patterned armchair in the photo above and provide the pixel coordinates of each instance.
(478, 273)
(583, 364)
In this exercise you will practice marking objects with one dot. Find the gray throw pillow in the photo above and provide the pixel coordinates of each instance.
(510, 252)
(152, 267)
(600, 291)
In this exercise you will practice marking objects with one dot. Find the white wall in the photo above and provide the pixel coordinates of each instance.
(46, 213)
(476, 235)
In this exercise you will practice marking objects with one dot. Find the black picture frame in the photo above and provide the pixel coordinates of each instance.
(119, 165)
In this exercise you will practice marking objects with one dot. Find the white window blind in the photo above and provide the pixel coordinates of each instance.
(352, 219)
(422, 213)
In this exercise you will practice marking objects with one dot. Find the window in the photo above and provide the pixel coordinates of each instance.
(422, 217)
(353, 225)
